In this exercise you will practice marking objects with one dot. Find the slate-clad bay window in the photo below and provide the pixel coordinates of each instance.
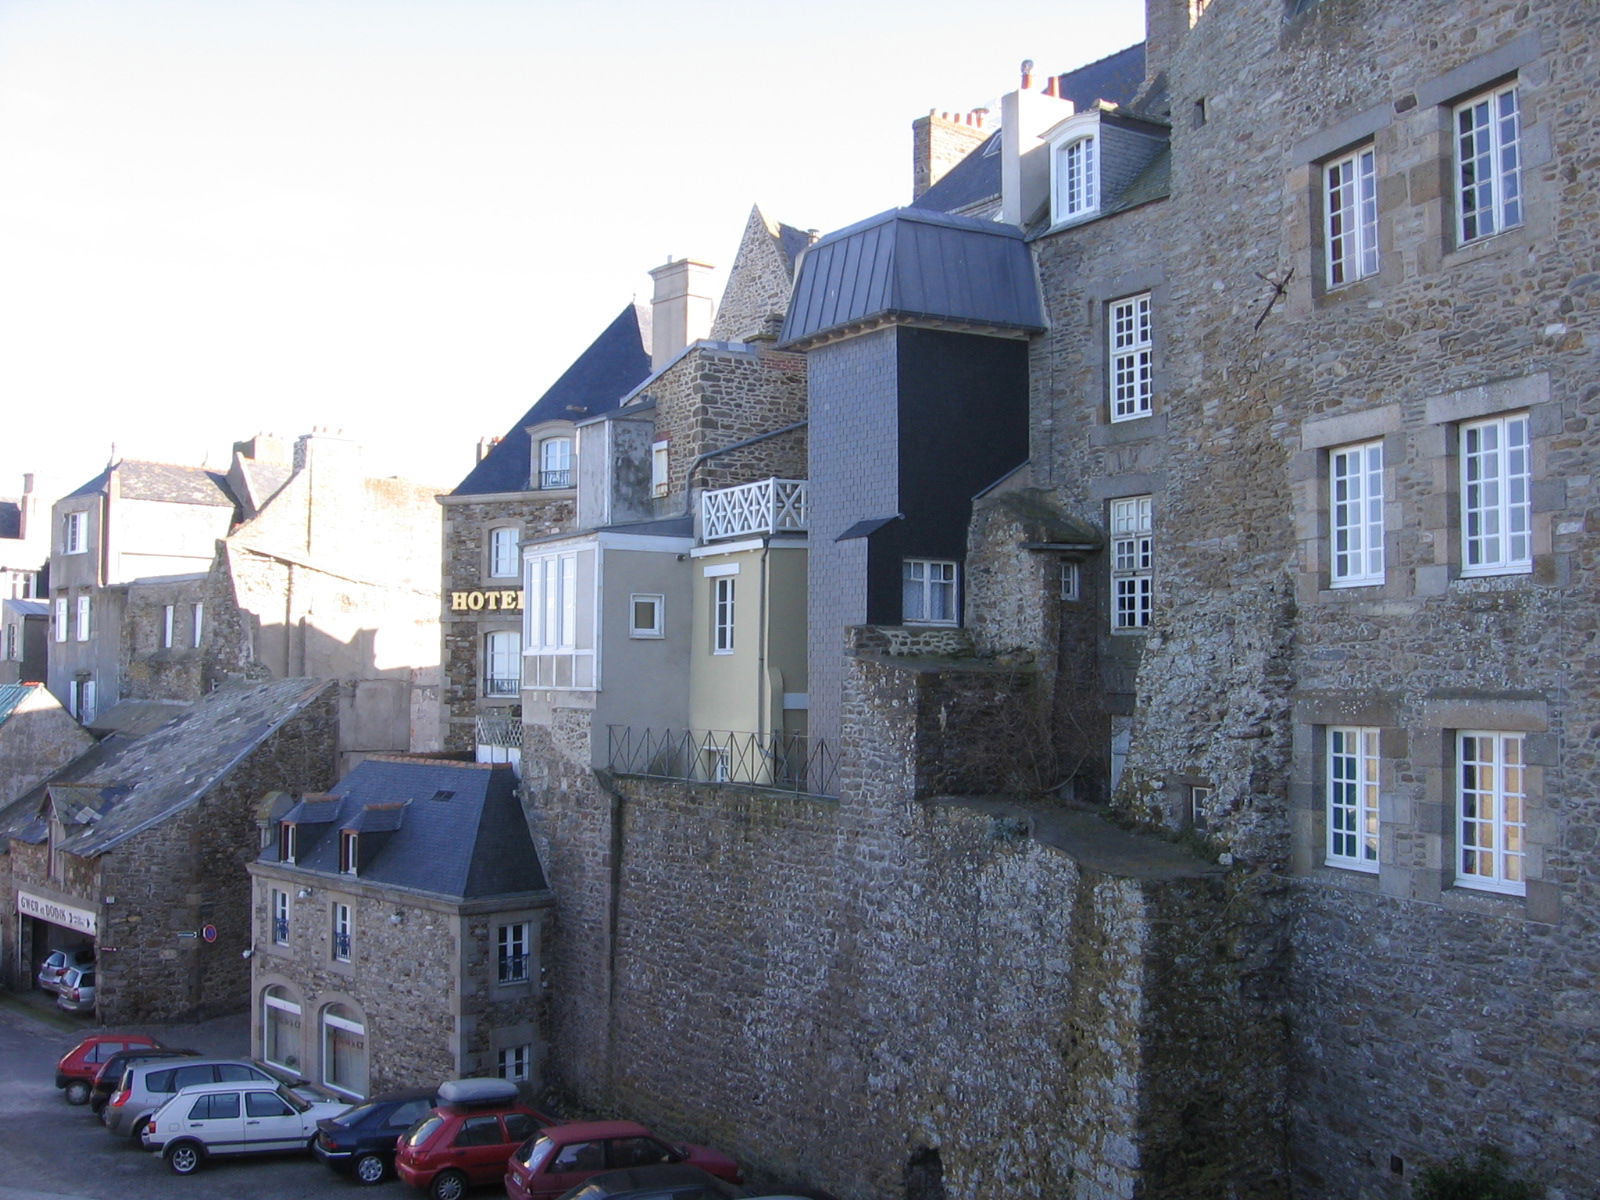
(928, 592)
(1490, 796)
(1132, 564)
(1496, 497)
(1488, 143)
(1350, 200)
(1352, 791)
(512, 952)
(1355, 514)
(1132, 365)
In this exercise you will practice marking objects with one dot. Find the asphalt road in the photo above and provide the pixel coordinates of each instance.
(50, 1150)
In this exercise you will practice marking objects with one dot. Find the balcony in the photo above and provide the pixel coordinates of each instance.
(560, 477)
(790, 762)
(753, 509)
(501, 685)
(498, 731)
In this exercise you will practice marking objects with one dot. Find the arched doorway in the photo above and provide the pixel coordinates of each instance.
(281, 1043)
(344, 1050)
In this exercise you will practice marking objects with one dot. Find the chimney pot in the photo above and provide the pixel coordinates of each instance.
(1027, 73)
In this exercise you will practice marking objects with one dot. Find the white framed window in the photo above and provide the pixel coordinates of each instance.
(1077, 182)
(349, 851)
(1071, 582)
(502, 662)
(1350, 217)
(1352, 794)
(280, 917)
(557, 653)
(168, 620)
(1490, 816)
(1355, 514)
(503, 558)
(83, 699)
(513, 953)
(85, 605)
(1496, 497)
(645, 611)
(341, 933)
(928, 591)
(1488, 137)
(73, 540)
(717, 761)
(658, 468)
(555, 462)
(61, 618)
(1200, 804)
(514, 1063)
(1132, 380)
(280, 1029)
(1132, 563)
(197, 612)
(288, 842)
(722, 614)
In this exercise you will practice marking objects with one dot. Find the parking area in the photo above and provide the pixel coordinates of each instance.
(54, 1151)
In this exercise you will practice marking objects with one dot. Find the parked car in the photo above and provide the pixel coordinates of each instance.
(57, 962)
(76, 993)
(360, 1140)
(560, 1158)
(662, 1181)
(79, 1065)
(147, 1086)
(466, 1138)
(232, 1118)
(109, 1077)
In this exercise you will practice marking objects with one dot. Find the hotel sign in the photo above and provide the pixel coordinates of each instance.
(81, 919)
(506, 600)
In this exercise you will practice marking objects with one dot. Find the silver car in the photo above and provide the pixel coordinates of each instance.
(146, 1086)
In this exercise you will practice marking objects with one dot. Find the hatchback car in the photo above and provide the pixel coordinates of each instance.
(147, 1086)
(57, 962)
(360, 1140)
(109, 1077)
(232, 1118)
(79, 1065)
(558, 1159)
(76, 993)
(467, 1138)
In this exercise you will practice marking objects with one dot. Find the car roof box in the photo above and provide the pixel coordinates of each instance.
(467, 1093)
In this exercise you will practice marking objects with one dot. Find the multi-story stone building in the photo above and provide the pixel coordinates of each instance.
(399, 925)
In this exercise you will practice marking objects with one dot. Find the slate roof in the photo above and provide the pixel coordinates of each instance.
(165, 482)
(1116, 78)
(29, 608)
(11, 695)
(10, 519)
(911, 264)
(124, 786)
(609, 369)
(450, 829)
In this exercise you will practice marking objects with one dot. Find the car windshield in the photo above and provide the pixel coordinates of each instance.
(356, 1113)
(419, 1133)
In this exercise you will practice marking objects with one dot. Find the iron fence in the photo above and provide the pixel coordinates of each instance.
(791, 762)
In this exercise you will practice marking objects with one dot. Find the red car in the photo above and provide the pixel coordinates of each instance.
(564, 1156)
(467, 1138)
(76, 1071)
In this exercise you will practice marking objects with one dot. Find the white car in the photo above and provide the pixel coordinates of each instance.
(233, 1118)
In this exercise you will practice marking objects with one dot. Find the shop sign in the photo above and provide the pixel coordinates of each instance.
(81, 919)
(500, 600)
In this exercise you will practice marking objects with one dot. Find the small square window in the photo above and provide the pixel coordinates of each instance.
(514, 1063)
(928, 592)
(645, 615)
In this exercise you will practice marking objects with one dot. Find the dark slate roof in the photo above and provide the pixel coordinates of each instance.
(792, 241)
(608, 370)
(10, 519)
(451, 829)
(1116, 78)
(29, 608)
(911, 264)
(11, 695)
(132, 784)
(165, 482)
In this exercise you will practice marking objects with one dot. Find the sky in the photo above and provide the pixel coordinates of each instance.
(402, 219)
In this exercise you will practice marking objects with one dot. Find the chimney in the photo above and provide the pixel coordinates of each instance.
(680, 310)
(486, 444)
(938, 142)
(1024, 162)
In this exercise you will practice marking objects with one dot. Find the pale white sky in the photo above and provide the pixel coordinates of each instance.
(404, 218)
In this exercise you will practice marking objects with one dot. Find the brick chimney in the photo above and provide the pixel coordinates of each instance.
(1024, 159)
(680, 310)
(939, 141)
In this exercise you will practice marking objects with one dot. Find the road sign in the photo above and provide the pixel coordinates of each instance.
(209, 932)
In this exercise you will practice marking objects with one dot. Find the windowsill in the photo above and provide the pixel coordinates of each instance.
(1353, 585)
(1354, 868)
(1355, 291)
(1517, 572)
(1487, 887)
(645, 637)
(1130, 632)
(932, 624)
(1495, 243)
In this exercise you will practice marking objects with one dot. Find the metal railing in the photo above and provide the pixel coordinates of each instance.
(280, 931)
(765, 507)
(499, 731)
(514, 968)
(496, 685)
(341, 947)
(791, 762)
(556, 479)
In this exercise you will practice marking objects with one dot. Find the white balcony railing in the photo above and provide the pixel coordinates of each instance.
(766, 507)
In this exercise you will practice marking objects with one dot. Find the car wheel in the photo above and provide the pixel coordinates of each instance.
(448, 1185)
(369, 1168)
(183, 1158)
(78, 1092)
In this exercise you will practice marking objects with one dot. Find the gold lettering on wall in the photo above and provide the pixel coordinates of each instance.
(500, 600)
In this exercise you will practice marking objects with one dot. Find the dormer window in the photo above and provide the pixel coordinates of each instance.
(1075, 170)
(286, 842)
(348, 860)
(555, 462)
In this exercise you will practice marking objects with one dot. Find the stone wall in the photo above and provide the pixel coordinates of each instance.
(757, 292)
(152, 669)
(36, 739)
